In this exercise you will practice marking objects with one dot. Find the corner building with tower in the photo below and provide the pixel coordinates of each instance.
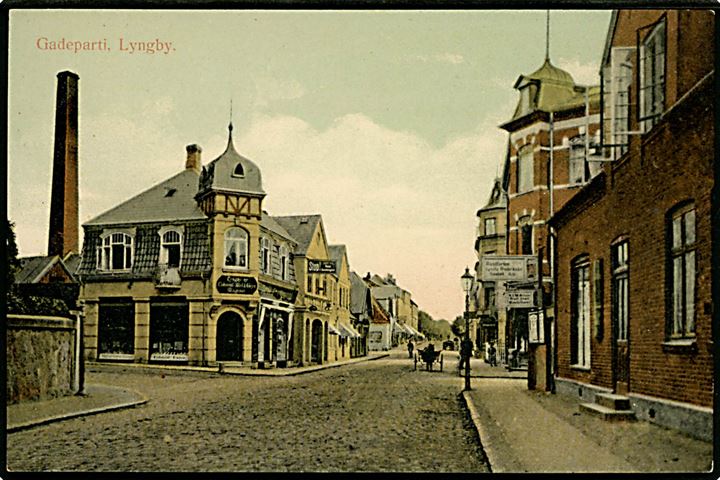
(194, 271)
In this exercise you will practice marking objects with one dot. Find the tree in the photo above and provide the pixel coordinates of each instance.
(458, 326)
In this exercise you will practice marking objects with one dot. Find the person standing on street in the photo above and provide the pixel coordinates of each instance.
(466, 347)
(491, 355)
(410, 347)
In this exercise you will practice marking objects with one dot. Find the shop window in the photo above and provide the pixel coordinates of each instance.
(525, 181)
(682, 273)
(171, 248)
(169, 331)
(236, 248)
(580, 313)
(116, 330)
(652, 75)
(115, 252)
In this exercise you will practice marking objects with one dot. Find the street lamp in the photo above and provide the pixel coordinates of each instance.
(467, 281)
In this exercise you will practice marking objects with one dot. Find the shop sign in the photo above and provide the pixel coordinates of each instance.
(519, 268)
(169, 357)
(236, 285)
(321, 266)
(520, 298)
(536, 326)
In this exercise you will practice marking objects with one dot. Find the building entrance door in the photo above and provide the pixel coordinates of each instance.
(229, 337)
(621, 318)
(316, 342)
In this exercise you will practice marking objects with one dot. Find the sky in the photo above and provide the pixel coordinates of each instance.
(384, 122)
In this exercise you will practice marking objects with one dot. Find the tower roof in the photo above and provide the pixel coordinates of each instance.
(550, 73)
(231, 172)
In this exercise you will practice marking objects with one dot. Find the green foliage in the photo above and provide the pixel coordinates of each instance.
(12, 262)
(458, 326)
(433, 329)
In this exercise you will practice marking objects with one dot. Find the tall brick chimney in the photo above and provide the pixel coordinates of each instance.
(63, 236)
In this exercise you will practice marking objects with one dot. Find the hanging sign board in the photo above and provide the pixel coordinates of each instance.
(520, 298)
(536, 327)
(236, 285)
(519, 268)
(321, 266)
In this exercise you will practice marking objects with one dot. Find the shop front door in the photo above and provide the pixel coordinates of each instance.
(229, 337)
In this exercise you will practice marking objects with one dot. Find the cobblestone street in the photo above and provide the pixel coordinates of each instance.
(372, 416)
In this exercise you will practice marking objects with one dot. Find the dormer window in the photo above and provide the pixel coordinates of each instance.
(170, 248)
(115, 251)
(239, 171)
(527, 95)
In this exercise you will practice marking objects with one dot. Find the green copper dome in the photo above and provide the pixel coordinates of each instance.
(550, 73)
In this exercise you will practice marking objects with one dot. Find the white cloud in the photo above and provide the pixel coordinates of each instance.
(447, 57)
(398, 203)
(269, 89)
(582, 73)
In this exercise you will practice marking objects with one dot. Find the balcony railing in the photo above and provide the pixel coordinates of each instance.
(167, 277)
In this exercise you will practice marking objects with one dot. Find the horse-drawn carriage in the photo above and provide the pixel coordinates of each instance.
(427, 357)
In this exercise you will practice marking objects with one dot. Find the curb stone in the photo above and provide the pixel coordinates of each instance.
(485, 444)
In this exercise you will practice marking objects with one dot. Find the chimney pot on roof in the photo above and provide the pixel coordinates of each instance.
(193, 157)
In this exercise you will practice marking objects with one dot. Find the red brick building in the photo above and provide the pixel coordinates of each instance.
(633, 258)
(550, 134)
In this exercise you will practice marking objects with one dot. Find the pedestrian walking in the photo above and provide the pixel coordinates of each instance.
(492, 355)
(410, 347)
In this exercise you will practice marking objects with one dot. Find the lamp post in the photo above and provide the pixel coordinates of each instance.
(467, 280)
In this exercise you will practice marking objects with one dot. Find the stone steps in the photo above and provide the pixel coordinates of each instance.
(610, 407)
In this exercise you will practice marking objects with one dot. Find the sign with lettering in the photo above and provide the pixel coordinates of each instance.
(520, 298)
(236, 285)
(520, 268)
(536, 326)
(321, 266)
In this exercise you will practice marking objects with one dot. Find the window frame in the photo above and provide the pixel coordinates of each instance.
(227, 239)
(646, 119)
(687, 322)
(580, 325)
(523, 153)
(490, 221)
(163, 258)
(620, 288)
(617, 78)
(105, 252)
(265, 259)
(576, 144)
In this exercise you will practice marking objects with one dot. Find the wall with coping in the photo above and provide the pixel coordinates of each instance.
(40, 357)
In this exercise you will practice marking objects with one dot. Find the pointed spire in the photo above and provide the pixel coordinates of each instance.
(547, 36)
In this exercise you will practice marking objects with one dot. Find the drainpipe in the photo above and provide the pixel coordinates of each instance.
(79, 383)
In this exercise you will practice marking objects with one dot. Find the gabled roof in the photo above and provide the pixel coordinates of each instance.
(359, 294)
(272, 225)
(380, 315)
(72, 262)
(337, 252)
(301, 228)
(170, 200)
(33, 269)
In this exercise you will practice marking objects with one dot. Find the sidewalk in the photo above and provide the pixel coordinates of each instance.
(530, 431)
(105, 398)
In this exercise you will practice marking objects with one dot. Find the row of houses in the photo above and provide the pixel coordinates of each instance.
(194, 270)
(609, 187)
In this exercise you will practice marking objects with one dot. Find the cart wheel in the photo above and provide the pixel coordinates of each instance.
(441, 362)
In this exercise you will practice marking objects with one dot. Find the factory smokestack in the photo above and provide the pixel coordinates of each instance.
(63, 236)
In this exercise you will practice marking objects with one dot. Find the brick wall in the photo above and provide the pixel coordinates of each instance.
(671, 164)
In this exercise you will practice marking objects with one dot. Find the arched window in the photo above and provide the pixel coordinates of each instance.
(236, 248)
(239, 171)
(170, 248)
(525, 180)
(115, 252)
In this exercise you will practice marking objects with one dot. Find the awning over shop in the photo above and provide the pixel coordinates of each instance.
(332, 330)
(348, 331)
(401, 328)
(412, 330)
